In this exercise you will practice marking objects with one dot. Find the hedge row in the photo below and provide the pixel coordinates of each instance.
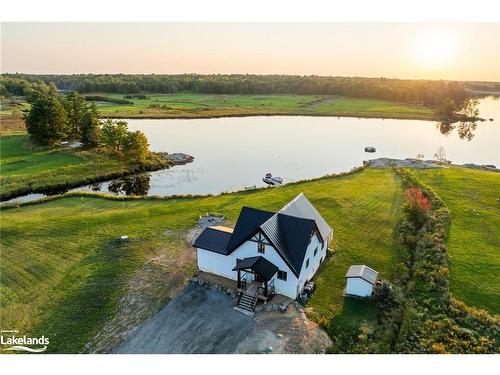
(430, 320)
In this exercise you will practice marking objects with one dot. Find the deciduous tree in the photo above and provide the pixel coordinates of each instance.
(137, 146)
(114, 134)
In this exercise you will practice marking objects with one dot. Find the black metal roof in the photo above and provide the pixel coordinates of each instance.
(259, 265)
(290, 236)
(248, 223)
(213, 240)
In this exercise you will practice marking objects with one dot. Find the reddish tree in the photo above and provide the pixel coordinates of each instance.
(417, 206)
(415, 197)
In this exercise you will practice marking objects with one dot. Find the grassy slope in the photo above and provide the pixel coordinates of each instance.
(204, 105)
(11, 116)
(474, 243)
(24, 165)
(63, 276)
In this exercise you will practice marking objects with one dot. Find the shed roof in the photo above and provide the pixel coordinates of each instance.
(259, 265)
(366, 273)
(213, 239)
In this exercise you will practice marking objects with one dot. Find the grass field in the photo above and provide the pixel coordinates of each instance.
(64, 276)
(191, 105)
(11, 116)
(24, 166)
(474, 243)
(63, 271)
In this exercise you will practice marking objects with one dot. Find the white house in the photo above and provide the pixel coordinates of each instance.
(267, 252)
(360, 281)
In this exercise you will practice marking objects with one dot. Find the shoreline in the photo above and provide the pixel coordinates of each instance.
(267, 114)
(378, 163)
(167, 161)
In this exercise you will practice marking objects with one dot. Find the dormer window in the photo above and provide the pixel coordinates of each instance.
(261, 248)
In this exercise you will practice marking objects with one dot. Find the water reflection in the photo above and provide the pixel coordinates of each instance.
(465, 129)
(138, 184)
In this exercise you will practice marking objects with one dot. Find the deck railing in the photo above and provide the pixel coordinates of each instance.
(270, 289)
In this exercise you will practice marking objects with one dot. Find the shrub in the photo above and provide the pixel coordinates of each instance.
(417, 206)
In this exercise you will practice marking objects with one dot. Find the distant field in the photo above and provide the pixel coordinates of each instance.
(474, 244)
(192, 105)
(64, 276)
(11, 117)
(24, 166)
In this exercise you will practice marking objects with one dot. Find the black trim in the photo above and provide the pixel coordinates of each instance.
(282, 275)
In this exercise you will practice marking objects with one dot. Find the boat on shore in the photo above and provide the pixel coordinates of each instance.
(273, 181)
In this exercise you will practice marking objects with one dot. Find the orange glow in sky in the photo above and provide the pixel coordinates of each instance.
(465, 51)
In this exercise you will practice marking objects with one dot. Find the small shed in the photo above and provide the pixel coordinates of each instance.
(360, 281)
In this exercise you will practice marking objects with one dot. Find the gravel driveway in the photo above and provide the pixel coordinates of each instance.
(200, 320)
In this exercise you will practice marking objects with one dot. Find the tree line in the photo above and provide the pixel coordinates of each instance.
(426, 92)
(53, 118)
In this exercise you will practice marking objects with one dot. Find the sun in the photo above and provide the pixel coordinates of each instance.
(435, 49)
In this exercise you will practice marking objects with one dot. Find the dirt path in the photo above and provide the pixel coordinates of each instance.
(200, 320)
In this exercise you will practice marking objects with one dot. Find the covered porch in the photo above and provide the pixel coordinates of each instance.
(255, 277)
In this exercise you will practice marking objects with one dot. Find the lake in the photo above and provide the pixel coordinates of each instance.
(231, 153)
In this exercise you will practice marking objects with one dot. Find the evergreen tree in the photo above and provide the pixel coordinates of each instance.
(90, 127)
(74, 105)
(46, 121)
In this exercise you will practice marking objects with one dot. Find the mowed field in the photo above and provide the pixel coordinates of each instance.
(191, 105)
(63, 271)
(25, 166)
(473, 198)
(11, 116)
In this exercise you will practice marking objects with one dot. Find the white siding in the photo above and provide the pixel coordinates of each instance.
(219, 264)
(222, 265)
(287, 288)
(306, 274)
(356, 286)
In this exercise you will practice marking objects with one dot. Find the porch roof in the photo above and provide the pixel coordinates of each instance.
(259, 265)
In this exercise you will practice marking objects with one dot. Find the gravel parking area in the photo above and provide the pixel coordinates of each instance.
(200, 320)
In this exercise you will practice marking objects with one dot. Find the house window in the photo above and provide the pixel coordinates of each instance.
(281, 275)
(261, 248)
(307, 262)
(316, 251)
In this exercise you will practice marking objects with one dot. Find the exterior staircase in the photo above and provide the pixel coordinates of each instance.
(246, 304)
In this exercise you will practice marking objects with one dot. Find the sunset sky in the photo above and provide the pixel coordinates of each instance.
(465, 51)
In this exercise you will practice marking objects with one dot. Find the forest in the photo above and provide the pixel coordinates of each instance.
(427, 92)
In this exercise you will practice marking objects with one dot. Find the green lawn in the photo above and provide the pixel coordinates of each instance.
(24, 166)
(474, 244)
(62, 271)
(205, 105)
